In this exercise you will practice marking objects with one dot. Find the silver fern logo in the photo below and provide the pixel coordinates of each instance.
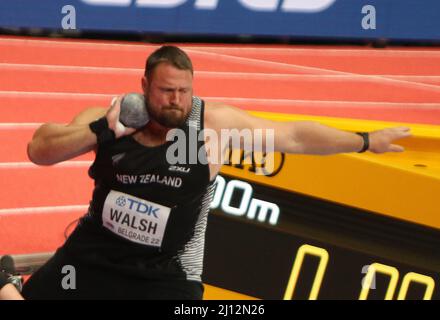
(117, 157)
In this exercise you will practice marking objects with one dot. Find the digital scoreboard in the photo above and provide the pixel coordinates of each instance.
(271, 243)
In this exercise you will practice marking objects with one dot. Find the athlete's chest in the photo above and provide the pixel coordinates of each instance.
(131, 165)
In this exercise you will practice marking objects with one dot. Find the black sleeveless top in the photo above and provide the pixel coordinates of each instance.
(149, 208)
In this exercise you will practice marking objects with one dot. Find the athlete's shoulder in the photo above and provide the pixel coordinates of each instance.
(226, 116)
(216, 114)
(216, 109)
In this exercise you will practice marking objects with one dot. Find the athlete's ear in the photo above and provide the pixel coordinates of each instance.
(145, 84)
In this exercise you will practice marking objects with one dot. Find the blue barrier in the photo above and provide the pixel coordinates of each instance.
(354, 19)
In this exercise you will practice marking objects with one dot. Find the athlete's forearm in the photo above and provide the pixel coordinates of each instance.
(315, 138)
(53, 143)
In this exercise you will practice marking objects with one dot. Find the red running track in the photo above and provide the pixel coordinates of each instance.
(45, 80)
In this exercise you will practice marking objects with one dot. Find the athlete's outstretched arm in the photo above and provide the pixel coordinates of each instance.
(53, 143)
(307, 137)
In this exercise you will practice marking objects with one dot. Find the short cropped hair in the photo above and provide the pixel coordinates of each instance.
(168, 54)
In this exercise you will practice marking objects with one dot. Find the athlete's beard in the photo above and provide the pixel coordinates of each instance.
(170, 117)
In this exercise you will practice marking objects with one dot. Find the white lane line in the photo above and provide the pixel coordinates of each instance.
(244, 75)
(68, 68)
(43, 210)
(210, 74)
(141, 46)
(43, 67)
(256, 62)
(65, 164)
(326, 103)
(325, 51)
(281, 102)
(315, 70)
(314, 74)
(410, 77)
(43, 94)
(196, 49)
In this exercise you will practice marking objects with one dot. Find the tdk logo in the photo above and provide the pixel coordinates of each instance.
(253, 5)
(138, 206)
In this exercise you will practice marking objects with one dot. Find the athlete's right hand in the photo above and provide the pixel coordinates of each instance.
(114, 124)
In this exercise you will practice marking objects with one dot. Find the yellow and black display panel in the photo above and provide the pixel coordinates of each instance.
(275, 244)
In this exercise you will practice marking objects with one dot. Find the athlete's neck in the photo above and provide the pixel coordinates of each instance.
(153, 134)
